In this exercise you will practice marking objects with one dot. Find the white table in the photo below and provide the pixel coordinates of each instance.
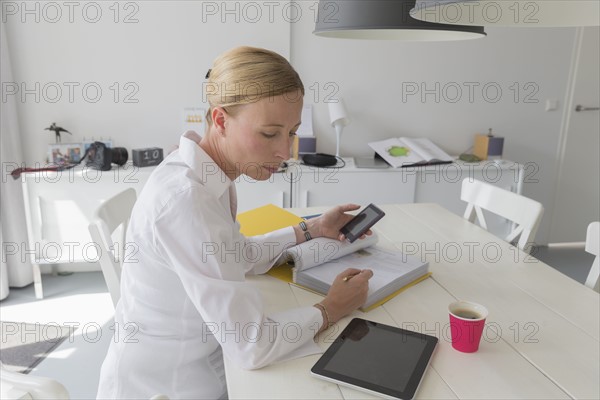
(542, 335)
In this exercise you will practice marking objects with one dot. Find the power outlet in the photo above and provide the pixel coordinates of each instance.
(551, 105)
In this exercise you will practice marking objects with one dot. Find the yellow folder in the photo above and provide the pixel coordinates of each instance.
(266, 219)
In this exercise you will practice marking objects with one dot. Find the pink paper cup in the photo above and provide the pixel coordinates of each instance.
(467, 321)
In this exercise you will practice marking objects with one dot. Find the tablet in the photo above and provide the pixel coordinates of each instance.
(370, 162)
(378, 359)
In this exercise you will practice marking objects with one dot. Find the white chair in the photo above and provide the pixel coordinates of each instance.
(15, 385)
(112, 214)
(592, 243)
(18, 386)
(525, 213)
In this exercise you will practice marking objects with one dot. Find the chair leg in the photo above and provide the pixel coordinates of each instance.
(37, 282)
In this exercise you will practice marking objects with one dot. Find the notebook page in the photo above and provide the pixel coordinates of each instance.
(386, 266)
(323, 250)
(427, 149)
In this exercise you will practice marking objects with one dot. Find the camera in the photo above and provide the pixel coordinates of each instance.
(100, 157)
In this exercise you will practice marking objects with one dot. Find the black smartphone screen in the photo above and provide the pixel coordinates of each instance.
(362, 222)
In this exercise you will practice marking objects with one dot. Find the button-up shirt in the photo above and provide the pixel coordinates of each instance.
(184, 300)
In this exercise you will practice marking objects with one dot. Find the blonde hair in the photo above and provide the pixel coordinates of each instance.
(245, 74)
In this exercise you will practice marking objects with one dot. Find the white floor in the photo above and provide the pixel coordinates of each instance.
(80, 300)
(571, 260)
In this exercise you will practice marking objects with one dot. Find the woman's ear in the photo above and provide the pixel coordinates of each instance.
(219, 115)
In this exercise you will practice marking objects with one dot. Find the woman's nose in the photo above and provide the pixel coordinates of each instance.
(284, 148)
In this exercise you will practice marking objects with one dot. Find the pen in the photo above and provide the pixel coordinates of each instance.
(312, 216)
(347, 278)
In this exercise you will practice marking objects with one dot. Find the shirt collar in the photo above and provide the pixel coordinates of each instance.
(203, 166)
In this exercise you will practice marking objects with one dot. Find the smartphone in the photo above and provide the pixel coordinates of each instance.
(362, 222)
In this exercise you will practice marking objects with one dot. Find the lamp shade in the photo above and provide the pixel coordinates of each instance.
(337, 114)
(384, 19)
(513, 13)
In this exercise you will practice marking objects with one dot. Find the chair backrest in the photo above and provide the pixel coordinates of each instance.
(112, 214)
(524, 212)
(30, 386)
(592, 245)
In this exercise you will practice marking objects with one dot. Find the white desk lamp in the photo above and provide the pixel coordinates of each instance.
(339, 119)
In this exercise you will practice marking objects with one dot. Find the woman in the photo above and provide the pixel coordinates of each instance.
(184, 300)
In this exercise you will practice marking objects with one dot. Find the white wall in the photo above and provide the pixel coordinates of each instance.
(166, 54)
(373, 77)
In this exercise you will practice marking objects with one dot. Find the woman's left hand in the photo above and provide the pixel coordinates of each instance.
(330, 222)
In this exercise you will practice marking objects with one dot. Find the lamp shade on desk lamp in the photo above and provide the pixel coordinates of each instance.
(339, 119)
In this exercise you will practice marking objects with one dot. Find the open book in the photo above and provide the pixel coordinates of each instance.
(315, 264)
(407, 152)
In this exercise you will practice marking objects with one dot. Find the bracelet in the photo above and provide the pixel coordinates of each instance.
(304, 228)
(321, 307)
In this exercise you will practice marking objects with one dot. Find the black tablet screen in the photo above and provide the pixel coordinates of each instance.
(378, 357)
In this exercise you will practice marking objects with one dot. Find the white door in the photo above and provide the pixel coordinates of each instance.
(577, 198)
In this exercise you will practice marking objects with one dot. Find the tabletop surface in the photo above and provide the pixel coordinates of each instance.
(542, 334)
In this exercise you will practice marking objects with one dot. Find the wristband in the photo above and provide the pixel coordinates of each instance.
(304, 228)
(320, 306)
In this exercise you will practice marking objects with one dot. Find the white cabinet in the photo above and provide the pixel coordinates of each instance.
(60, 205)
(58, 209)
(329, 187)
(304, 186)
(276, 190)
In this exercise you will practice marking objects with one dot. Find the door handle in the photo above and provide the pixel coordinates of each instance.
(582, 108)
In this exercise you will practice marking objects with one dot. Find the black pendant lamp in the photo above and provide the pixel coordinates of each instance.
(384, 19)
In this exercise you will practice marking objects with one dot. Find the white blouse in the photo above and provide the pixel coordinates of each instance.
(184, 299)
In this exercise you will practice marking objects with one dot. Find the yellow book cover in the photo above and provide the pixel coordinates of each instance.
(266, 219)
(382, 301)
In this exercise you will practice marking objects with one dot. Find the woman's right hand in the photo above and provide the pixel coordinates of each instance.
(347, 295)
